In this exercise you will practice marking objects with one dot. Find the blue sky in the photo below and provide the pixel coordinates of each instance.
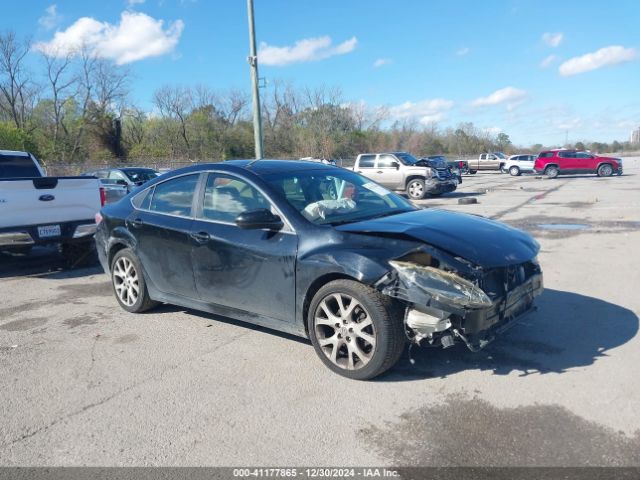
(533, 69)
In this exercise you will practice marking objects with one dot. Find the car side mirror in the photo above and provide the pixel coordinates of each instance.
(259, 219)
(397, 165)
(121, 182)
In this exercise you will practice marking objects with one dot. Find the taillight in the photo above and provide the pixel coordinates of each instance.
(98, 218)
(103, 197)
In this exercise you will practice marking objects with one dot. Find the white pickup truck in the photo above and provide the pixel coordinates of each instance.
(36, 209)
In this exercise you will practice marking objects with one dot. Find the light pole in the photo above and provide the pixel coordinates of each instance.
(253, 62)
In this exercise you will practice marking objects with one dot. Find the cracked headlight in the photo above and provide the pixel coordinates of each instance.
(442, 286)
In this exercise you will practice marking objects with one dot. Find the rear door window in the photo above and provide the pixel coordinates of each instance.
(387, 161)
(175, 196)
(17, 166)
(367, 161)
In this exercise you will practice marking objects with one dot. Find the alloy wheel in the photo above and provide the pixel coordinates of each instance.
(125, 281)
(606, 170)
(345, 331)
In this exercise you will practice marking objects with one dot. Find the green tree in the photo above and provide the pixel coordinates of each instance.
(14, 138)
(503, 142)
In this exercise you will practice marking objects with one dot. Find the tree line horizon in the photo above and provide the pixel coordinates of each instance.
(75, 108)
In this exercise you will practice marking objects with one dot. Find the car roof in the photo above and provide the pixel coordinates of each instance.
(125, 169)
(262, 167)
(384, 153)
(16, 153)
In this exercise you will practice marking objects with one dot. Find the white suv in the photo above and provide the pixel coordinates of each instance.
(517, 164)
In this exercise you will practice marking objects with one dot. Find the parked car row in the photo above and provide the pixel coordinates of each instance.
(550, 163)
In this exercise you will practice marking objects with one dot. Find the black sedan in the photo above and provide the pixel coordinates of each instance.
(320, 252)
(129, 177)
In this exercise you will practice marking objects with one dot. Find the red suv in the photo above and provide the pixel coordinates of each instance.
(566, 162)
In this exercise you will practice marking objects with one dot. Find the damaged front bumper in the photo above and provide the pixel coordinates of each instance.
(443, 308)
(438, 186)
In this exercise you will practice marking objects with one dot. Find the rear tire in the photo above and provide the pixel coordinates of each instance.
(551, 171)
(605, 170)
(416, 189)
(514, 171)
(473, 172)
(356, 331)
(128, 283)
(503, 169)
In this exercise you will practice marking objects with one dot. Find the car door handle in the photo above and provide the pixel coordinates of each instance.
(200, 237)
(137, 222)
(379, 171)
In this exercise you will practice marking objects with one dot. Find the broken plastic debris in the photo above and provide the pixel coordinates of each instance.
(441, 285)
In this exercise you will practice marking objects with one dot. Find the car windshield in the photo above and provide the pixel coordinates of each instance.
(142, 175)
(406, 158)
(336, 196)
(500, 155)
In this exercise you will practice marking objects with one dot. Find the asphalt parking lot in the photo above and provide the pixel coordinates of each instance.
(82, 382)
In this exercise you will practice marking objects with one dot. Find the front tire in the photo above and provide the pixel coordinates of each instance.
(128, 282)
(416, 189)
(514, 171)
(605, 170)
(356, 331)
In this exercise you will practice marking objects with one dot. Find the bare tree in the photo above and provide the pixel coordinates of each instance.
(61, 83)
(111, 87)
(16, 90)
(175, 103)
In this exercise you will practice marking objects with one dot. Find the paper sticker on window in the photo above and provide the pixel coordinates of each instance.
(375, 188)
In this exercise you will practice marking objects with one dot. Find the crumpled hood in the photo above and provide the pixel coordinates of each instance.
(482, 241)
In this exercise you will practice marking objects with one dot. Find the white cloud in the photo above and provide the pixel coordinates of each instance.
(492, 130)
(552, 39)
(136, 37)
(381, 62)
(131, 3)
(463, 51)
(548, 61)
(305, 50)
(426, 111)
(601, 58)
(51, 17)
(510, 96)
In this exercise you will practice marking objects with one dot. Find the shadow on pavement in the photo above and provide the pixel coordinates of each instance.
(43, 262)
(568, 331)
